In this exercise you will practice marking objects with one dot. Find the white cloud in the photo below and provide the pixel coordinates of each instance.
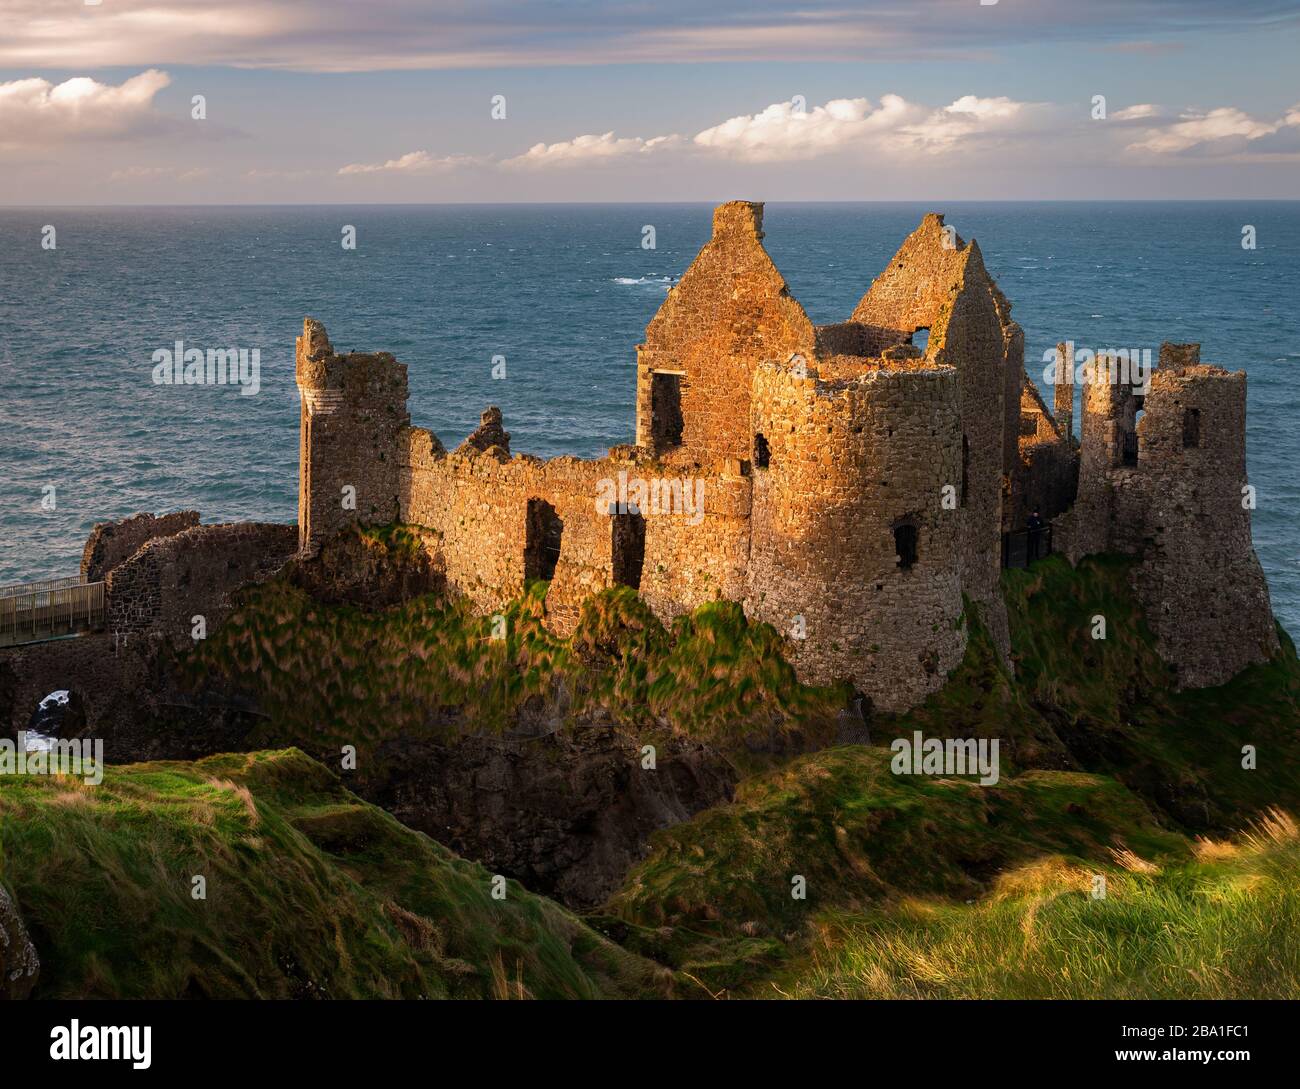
(785, 131)
(1227, 127)
(966, 119)
(413, 162)
(782, 131)
(35, 112)
(1135, 113)
(589, 150)
(160, 173)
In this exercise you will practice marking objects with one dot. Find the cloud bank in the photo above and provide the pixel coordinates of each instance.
(347, 36)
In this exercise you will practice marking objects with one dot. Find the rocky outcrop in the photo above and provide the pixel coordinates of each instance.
(567, 814)
(19, 964)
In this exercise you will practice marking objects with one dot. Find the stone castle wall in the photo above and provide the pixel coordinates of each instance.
(479, 503)
(853, 488)
(110, 543)
(730, 311)
(353, 408)
(1162, 477)
(169, 580)
(939, 283)
(815, 446)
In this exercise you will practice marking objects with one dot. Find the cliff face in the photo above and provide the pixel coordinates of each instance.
(309, 893)
(567, 814)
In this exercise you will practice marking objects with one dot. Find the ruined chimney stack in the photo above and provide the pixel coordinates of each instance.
(1063, 391)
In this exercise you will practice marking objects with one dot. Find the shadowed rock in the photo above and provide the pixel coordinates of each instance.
(19, 964)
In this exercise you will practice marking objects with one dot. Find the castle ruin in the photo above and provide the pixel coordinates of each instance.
(856, 486)
(844, 484)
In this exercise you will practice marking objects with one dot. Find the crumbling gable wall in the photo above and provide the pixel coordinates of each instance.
(353, 407)
(170, 580)
(937, 282)
(730, 310)
(112, 542)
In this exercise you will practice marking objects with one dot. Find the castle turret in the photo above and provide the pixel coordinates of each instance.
(855, 524)
(353, 407)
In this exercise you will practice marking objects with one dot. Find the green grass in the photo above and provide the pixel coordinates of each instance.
(1109, 706)
(858, 835)
(915, 885)
(1221, 927)
(309, 893)
(327, 675)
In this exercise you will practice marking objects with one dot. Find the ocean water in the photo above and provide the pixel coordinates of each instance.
(564, 293)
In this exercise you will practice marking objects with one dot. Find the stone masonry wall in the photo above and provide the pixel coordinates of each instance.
(937, 282)
(823, 453)
(171, 579)
(478, 501)
(1168, 488)
(112, 542)
(1200, 581)
(730, 310)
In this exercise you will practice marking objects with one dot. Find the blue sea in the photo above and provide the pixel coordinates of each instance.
(564, 293)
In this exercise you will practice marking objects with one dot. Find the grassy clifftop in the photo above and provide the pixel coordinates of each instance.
(335, 674)
(828, 875)
(1109, 705)
(1220, 925)
(929, 886)
(309, 894)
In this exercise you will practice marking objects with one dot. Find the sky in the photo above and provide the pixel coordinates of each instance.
(339, 101)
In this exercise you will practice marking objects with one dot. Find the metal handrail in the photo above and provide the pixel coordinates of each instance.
(18, 589)
(1021, 547)
(49, 612)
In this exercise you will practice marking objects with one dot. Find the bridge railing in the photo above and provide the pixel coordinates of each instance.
(20, 589)
(1022, 547)
(49, 609)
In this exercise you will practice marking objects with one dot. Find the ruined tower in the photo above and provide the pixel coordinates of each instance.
(353, 408)
(938, 284)
(1163, 477)
(854, 552)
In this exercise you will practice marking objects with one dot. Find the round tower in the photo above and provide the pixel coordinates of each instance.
(855, 547)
